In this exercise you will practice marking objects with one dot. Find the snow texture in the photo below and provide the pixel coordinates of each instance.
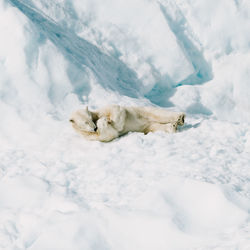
(189, 190)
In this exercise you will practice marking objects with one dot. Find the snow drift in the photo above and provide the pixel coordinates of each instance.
(184, 191)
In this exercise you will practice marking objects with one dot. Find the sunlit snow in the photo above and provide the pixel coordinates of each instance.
(189, 190)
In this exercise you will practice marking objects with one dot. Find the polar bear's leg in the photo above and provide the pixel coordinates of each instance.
(160, 115)
(168, 127)
(169, 117)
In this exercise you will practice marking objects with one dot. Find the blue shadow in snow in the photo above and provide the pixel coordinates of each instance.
(164, 88)
(110, 72)
(203, 71)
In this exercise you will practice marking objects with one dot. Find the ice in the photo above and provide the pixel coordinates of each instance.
(188, 190)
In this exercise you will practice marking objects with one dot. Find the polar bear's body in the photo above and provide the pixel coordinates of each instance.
(113, 121)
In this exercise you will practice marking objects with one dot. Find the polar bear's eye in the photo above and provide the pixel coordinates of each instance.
(71, 120)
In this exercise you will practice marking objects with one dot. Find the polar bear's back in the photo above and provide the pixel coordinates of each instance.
(135, 121)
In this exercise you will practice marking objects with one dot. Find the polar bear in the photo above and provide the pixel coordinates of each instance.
(112, 121)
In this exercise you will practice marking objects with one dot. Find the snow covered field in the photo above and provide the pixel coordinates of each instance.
(189, 190)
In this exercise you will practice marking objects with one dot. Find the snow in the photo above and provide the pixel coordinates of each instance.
(188, 190)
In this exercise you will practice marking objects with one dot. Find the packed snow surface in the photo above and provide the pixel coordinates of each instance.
(189, 190)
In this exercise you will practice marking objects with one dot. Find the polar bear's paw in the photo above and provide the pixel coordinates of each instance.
(102, 123)
(181, 119)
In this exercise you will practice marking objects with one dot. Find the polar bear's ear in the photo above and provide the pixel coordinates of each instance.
(88, 112)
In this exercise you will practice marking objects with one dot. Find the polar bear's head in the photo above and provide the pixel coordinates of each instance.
(82, 121)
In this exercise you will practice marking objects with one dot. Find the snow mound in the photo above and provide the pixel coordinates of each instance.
(189, 190)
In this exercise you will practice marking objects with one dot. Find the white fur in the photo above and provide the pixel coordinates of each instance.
(113, 121)
(84, 121)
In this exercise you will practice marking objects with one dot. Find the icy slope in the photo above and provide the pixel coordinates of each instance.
(190, 190)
